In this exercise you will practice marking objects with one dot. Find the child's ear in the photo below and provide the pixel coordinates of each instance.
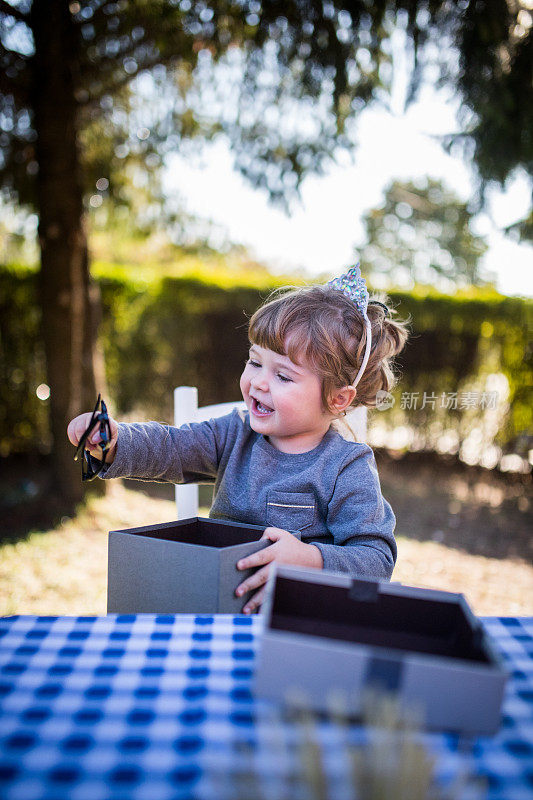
(341, 399)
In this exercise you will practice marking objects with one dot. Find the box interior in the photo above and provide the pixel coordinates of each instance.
(209, 533)
(437, 627)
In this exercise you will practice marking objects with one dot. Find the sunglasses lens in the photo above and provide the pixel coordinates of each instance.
(91, 466)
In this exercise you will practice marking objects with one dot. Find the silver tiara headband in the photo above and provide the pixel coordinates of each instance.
(352, 284)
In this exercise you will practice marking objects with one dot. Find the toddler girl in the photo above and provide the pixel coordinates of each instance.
(315, 352)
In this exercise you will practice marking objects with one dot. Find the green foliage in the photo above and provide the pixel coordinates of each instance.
(23, 417)
(281, 79)
(290, 74)
(457, 343)
(190, 328)
(422, 234)
(495, 79)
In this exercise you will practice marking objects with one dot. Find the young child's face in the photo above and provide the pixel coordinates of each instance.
(284, 400)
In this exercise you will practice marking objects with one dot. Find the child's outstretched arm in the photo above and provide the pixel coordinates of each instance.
(152, 451)
(285, 549)
(77, 427)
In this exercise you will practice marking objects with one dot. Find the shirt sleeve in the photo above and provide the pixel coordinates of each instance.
(361, 522)
(152, 451)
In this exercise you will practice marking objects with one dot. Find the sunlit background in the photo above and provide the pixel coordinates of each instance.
(323, 232)
(198, 158)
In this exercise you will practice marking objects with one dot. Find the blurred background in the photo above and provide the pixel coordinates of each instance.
(164, 164)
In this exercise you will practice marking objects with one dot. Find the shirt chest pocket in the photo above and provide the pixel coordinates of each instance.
(292, 511)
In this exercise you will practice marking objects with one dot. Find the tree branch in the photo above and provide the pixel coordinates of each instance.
(11, 11)
(114, 85)
(19, 85)
(105, 67)
(19, 92)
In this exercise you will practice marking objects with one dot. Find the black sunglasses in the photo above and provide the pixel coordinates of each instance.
(91, 466)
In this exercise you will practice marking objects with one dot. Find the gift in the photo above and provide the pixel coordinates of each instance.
(332, 635)
(185, 566)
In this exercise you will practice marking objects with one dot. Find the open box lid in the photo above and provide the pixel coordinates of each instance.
(200, 531)
(337, 606)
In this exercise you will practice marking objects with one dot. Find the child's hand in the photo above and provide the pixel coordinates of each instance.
(286, 549)
(77, 427)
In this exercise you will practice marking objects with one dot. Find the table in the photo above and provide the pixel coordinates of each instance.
(160, 707)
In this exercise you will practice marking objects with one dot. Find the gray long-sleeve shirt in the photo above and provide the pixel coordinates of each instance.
(330, 494)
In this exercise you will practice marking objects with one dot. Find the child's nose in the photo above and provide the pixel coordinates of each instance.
(260, 380)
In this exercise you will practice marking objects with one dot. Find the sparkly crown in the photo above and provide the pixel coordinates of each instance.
(353, 285)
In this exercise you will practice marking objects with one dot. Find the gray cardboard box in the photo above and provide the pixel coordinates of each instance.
(326, 632)
(187, 566)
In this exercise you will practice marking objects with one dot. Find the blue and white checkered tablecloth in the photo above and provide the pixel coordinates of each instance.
(156, 707)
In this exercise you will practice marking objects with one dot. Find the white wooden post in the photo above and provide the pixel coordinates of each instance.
(358, 422)
(185, 409)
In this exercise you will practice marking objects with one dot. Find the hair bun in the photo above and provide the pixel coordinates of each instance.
(383, 306)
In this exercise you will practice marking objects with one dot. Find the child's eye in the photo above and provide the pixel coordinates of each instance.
(284, 378)
(253, 363)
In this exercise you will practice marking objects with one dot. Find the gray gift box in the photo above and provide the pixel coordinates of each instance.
(328, 633)
(187, 566)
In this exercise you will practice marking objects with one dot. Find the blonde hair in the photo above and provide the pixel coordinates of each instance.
(324, 328)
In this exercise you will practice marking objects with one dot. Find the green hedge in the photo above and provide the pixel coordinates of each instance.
(163, 332)
(23, 417)
(457, 342)
(178, 331)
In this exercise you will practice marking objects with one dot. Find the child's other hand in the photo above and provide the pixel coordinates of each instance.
(77, 427)
(286, 549)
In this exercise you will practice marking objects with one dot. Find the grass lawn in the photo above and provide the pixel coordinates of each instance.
(63, 571)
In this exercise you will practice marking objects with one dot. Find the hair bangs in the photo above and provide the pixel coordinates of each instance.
(265, 331)
(278, 326)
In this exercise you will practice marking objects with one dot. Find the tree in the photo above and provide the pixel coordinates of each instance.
(289, 75)
(422, 234)
(64, 65)
(494, 76)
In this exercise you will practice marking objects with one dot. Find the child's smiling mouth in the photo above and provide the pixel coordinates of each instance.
(260, 409)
